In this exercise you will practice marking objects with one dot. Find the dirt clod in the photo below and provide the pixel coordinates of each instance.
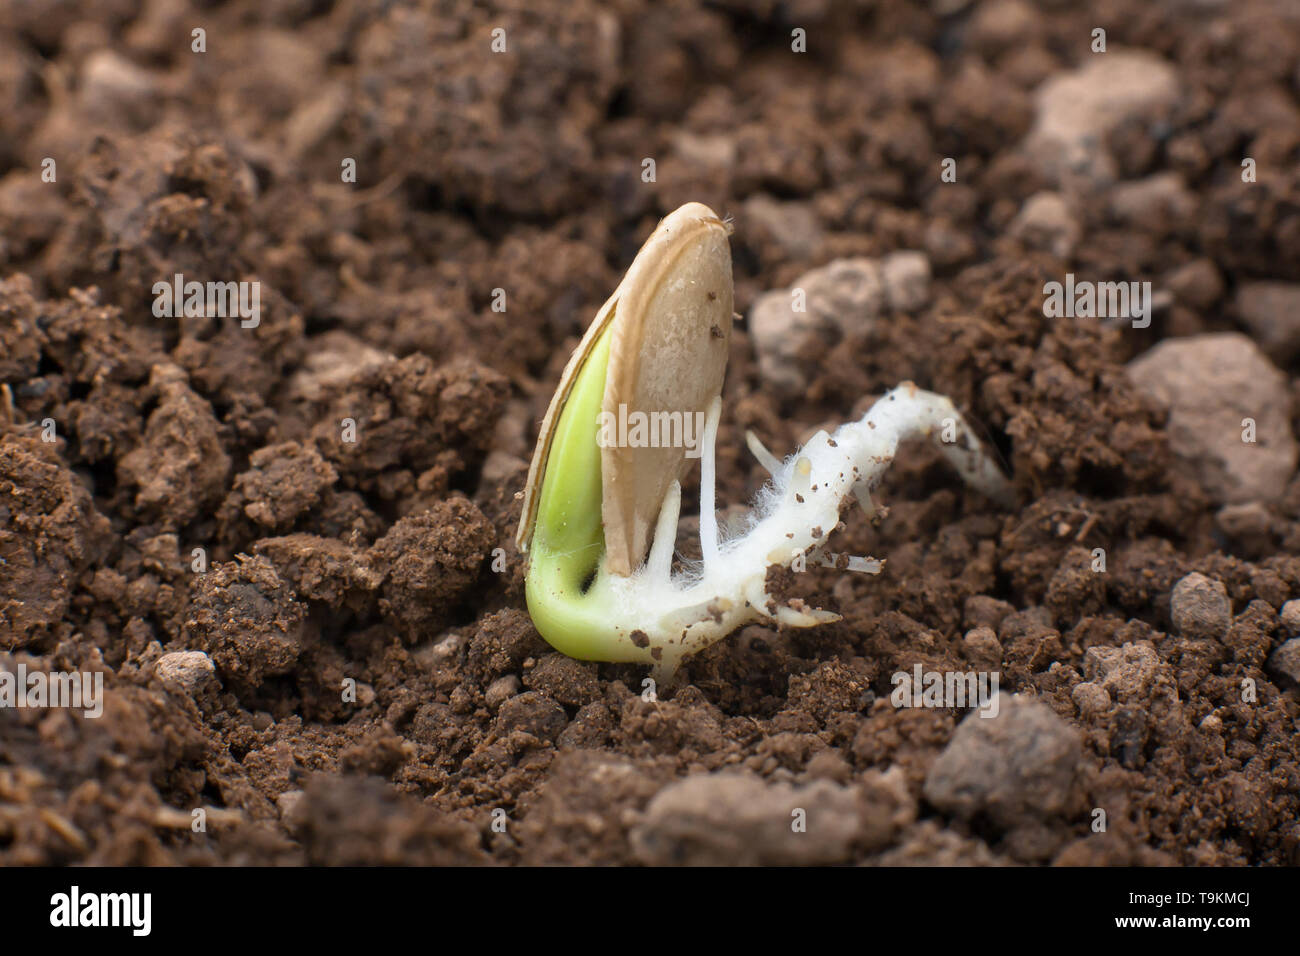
(1023, 762)
(738, 819)
(533, 713)
(1200, 607)
(248, 620)
(1229, 413)
(180, 469)
(50, 533)
(428, 561)
(1286, 662)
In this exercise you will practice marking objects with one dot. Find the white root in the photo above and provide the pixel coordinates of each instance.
(708, 484)
(771, 464)
(792, 516)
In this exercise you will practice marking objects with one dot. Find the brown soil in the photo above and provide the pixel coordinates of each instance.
(376, 560)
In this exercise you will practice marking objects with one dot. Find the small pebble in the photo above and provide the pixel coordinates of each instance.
(1023, 762)
(1091, 699)
(187, 670)
(1285, 662)
(501, 690)
(1200, 608)
(1290, 616)
(981, 645)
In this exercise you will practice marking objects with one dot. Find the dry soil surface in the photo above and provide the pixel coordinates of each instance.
(181, 508)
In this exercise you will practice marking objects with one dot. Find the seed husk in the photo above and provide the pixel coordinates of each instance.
(670, 322)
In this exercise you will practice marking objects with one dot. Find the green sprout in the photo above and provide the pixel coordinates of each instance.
(568, 541)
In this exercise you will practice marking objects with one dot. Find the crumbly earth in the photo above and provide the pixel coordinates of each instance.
(325, 504)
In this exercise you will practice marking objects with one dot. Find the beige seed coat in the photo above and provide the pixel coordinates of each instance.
(671, 318)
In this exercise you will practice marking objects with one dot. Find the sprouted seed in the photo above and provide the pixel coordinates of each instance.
(600, 520)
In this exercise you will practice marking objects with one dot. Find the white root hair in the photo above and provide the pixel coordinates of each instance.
(683, 613)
